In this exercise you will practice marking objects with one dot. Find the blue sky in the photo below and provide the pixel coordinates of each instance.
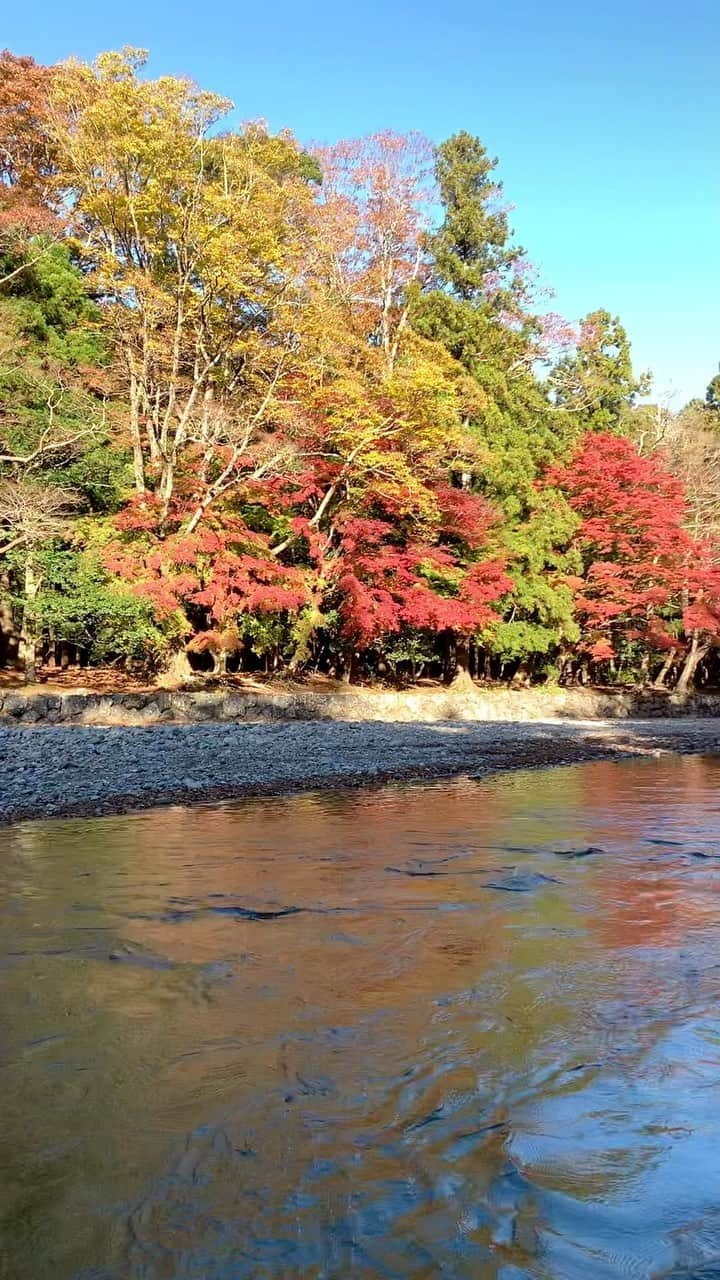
(606, 119)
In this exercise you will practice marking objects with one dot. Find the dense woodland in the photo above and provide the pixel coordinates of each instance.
(301, 410)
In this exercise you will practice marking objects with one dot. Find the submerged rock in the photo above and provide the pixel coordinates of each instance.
(590, 852)
(416, 871)
(521, 882)
(142, 959)
(249, 913)
(436, 867)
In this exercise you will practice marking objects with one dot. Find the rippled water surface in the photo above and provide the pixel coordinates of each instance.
(392, 1033)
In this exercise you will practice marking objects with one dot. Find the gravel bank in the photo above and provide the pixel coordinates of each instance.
(56, 772)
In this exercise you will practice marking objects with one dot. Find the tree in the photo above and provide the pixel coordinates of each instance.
(690, 443)
(635, 552)
(376, 515)
(208, 582)
(477, 305)
(56, 456)
(596, 382)
(480, 307)
(288, 408)
(31, 514)
(194, 238)
(386, 585)
(712, 395)
(28, 205)
(376, 198)
(521, 435)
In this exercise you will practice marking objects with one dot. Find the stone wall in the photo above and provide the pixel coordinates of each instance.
(419, 705)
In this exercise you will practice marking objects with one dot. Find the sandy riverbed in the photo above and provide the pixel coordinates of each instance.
(64, 771)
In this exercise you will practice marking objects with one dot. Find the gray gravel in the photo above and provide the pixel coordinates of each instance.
(61, 771)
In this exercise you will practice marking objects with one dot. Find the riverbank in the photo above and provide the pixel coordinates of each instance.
(88, 770)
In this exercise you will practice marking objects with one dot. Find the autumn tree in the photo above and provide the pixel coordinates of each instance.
(390, 544)
(260, 405)
(479, 305)
(377, 194)
(28, 197)
(690, 443)
(379, 415)
(195, 240)
(636, 555)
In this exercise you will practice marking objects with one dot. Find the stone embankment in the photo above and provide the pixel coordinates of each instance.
(419, 705)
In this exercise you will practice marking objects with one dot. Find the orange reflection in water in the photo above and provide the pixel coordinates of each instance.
(419, 1067)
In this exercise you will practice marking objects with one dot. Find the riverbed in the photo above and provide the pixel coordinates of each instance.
(468, 1028)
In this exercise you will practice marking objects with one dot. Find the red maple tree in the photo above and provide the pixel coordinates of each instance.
(641, 569)
(631, 541)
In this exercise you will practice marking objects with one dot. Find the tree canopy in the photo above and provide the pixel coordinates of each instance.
(266, 405)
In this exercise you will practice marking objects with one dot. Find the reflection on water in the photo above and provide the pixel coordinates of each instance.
(381, 1034)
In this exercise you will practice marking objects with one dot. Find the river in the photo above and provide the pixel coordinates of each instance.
(462, 1030)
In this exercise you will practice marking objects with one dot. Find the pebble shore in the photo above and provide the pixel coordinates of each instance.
(59, 771)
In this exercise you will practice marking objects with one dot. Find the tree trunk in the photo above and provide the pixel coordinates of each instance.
(350, 666)
(448, 656)
(8, 636)
(177, 671)
(462, 656)
(694, 657)
(136, 437)
(461, 678)
(28, 630)
(663, 673)
(166, 485)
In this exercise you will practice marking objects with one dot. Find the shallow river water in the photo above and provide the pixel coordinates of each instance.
(390, 1033)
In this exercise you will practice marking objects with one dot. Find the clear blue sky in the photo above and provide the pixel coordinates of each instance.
(606, 119)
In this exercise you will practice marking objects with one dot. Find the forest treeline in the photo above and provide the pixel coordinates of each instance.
(300, 409)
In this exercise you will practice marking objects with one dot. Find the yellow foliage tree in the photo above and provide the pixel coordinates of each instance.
(195, 239)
